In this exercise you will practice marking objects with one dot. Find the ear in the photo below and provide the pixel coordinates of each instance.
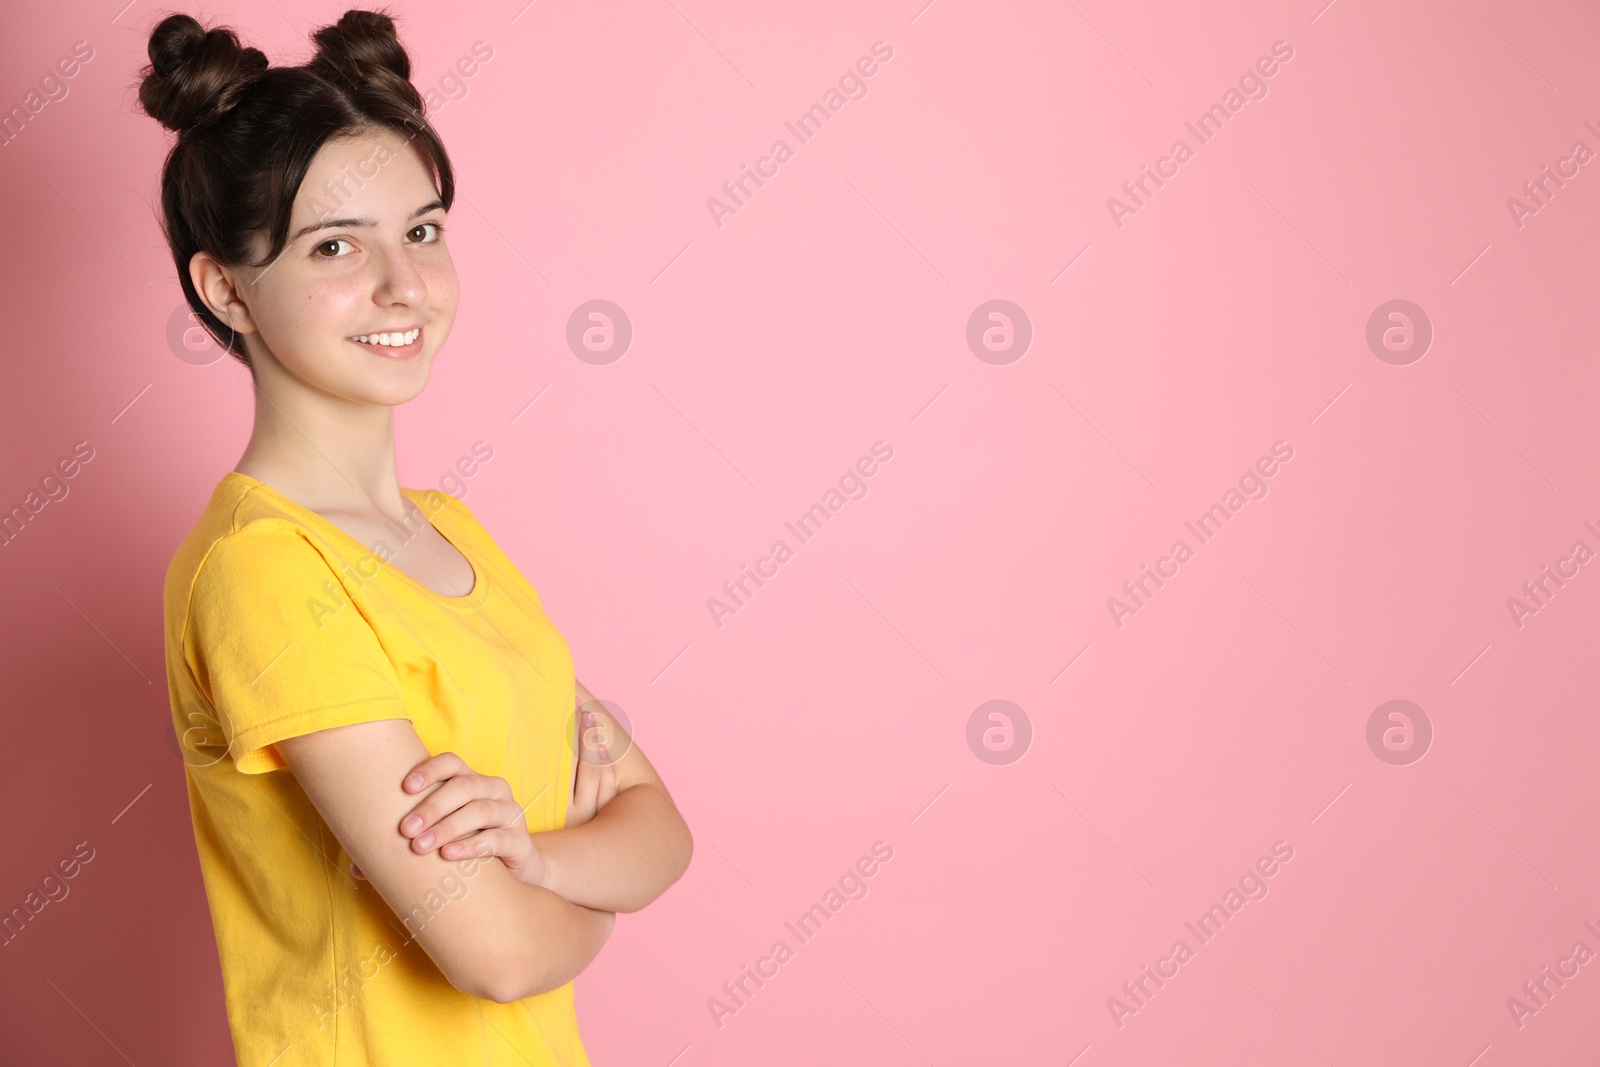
(219, 287)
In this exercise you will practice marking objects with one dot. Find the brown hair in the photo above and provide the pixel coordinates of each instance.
(248, 132)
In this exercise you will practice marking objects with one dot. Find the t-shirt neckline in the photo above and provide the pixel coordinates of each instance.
(480, 578)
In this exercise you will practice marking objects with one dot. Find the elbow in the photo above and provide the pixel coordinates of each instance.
(501, 988)
(504, 993)
(542, 945)
(670, 864)
(482, 987)
(508, 976)
(498, 977)
(685, 851)
(682, 852)
(514, 986)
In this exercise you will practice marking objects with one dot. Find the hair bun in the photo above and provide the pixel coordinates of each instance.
(195, 75)
(362, 50)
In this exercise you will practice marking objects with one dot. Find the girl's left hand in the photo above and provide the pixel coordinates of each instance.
(470, 814)
(594, 783)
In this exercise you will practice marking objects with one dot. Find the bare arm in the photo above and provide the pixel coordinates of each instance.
(634, 848)
(501, 940)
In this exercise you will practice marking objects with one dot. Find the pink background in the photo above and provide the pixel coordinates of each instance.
(831, 712)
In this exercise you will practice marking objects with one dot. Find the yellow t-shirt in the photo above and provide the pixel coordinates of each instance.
(279, 623)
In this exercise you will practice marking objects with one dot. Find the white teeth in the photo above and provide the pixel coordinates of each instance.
(389, 340)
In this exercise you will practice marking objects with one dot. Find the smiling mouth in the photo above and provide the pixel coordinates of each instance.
(393, 339)
(395, 344)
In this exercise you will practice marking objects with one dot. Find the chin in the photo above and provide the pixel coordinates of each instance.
(396, 393)
(406, 382)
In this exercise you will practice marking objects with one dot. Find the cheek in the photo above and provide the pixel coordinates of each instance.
(444, 288)
(329, 305)
(302, 330)
(332, 297)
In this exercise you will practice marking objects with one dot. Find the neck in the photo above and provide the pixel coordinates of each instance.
(324, 451)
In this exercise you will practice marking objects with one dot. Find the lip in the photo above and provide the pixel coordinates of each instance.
(401, 352)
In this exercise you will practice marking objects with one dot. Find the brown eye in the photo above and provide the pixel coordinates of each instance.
(438, 229)
(333, 243)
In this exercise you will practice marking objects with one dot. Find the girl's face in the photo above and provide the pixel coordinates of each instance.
(365, 258)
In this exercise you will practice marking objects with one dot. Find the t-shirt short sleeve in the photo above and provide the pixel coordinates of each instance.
(279, 647)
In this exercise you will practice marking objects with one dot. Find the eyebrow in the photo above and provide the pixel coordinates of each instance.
(334, 224)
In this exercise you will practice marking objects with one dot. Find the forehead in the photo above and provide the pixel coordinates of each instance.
(377, 170)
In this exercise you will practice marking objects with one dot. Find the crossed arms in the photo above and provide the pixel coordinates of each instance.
(526, 925)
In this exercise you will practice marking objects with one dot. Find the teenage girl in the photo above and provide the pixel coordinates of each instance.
(402, 862)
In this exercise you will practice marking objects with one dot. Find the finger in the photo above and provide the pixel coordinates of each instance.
(611, 732)
(608, 786)
(604, 730)
(357, 871)
(579, 811)
(496, 841)
(433, 769)
(471, 817)
(588, 725)
(586, 787)
(587, 784)
(453, 794)
(590, 736)
(466, 821)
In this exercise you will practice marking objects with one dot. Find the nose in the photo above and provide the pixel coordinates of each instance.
(399, 280)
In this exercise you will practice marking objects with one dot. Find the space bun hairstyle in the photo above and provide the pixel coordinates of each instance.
(248, 132)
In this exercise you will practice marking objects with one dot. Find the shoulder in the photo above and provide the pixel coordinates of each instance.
(259, 538)
(272, 548)
(242, 547)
